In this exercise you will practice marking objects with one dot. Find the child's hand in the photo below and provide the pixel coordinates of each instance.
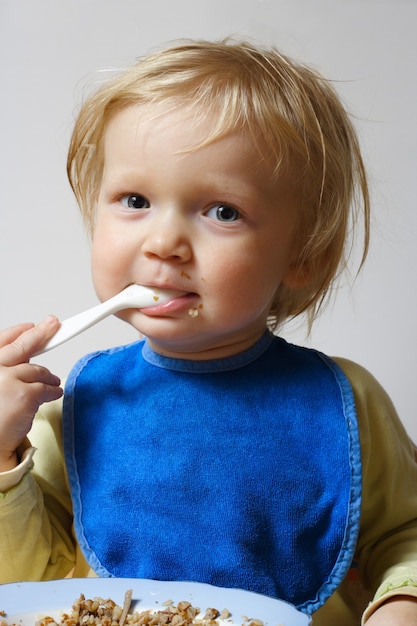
(23, 386)
(399, 611)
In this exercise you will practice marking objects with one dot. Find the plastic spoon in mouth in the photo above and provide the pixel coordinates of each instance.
(134, 296)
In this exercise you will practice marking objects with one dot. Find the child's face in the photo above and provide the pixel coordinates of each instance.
(211, 223)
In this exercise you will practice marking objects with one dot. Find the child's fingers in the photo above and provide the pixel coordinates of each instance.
(29, 342)
(10, 334)
(23, 388)
(32, 373)
(47, 392)
(44, 391)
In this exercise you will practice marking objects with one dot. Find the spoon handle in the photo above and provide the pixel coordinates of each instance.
(78, 323)
(134, 296)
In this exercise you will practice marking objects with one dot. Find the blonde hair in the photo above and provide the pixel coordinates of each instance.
(287, 107)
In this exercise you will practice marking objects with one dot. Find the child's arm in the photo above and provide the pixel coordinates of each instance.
(398, 611)
(36, 540)
(23, 386)
(387, 545)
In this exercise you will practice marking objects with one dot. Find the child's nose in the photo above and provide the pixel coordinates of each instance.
(168, 238)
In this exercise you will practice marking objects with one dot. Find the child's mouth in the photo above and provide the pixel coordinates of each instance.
(178, 304)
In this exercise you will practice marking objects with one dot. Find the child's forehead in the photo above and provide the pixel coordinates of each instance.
(181, 126)
(161, 116)
(139, 143)
(197, 126)
(172, 129)
(156, 114)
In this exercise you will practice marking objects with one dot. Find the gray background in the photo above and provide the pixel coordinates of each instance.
(53, 52)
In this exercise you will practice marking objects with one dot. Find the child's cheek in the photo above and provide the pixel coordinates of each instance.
(103, 273)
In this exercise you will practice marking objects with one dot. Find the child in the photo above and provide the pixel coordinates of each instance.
(213, 451)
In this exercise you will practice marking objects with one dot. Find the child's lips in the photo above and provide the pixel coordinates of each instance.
(175, 305)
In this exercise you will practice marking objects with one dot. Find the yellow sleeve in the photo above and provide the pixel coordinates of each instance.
(36, 539)
(387, 546)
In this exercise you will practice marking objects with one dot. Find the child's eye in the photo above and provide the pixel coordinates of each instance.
(223, 213)
(134, 201)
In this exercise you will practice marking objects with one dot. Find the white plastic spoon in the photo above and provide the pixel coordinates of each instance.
(134, 296)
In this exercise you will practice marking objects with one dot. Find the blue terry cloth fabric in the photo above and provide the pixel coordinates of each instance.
(242, 472)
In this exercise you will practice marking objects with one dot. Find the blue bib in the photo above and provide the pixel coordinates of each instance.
(241, 472)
